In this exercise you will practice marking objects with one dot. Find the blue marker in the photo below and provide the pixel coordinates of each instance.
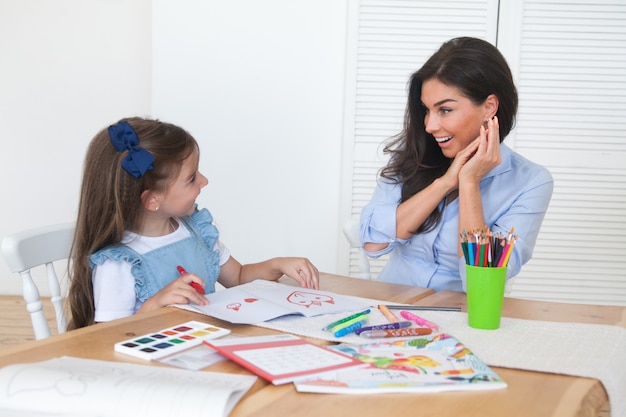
(350, 328)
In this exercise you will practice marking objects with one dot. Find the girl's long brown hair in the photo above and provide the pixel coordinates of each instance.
(110, 200)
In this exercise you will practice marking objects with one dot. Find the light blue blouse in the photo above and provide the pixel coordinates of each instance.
(516, 193)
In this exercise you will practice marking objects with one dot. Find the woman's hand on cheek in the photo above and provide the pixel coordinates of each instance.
(461, 158)
(486, 156)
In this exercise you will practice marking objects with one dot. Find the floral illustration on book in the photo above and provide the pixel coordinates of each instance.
(440, 356)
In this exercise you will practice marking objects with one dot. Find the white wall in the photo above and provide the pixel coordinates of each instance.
(67, 69)
(260, 84)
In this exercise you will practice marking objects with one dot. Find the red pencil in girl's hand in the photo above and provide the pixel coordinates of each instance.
(195, 285)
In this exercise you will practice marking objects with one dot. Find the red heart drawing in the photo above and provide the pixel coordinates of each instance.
(250, 300)
(234, 306)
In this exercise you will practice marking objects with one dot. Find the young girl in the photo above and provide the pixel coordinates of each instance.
(448, 171)
(140, 241)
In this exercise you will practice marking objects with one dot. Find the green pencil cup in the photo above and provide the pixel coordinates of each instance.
(485, 294)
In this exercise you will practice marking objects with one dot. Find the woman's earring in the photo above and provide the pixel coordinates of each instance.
(157, 208)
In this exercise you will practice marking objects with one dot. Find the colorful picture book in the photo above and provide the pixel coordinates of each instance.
(86, 387)
(432, 363)
(283, 358)
(260, 301)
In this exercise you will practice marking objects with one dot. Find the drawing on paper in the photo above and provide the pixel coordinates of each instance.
(308, 299)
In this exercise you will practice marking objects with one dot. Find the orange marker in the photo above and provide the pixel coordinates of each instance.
(383, 309)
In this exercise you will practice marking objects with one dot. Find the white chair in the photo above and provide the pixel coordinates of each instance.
(38, 247)
(351, 231)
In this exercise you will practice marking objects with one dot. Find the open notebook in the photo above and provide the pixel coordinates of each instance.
(262, 300)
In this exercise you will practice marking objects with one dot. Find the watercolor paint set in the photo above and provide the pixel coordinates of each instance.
(171, 340)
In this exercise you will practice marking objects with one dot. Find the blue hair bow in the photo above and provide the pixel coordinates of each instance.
(138, 160)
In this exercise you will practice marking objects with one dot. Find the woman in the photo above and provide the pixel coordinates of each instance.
(448, 171)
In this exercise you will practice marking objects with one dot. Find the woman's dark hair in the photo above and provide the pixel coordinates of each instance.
(477, 69)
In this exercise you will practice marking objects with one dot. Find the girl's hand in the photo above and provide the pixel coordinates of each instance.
(178, 291)
(301, 270)
(486, 156)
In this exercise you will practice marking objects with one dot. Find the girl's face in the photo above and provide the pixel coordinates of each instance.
(452, 118)
(180, 197)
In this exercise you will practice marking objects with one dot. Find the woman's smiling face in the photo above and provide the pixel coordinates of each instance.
(451, 118)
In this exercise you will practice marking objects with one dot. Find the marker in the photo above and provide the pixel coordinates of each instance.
(361, 317)
(413, 331)
(195, 285)
(418, 320)
(383, 309)
(349, 329)
(431, 308)
(388, 326)
(335, 323)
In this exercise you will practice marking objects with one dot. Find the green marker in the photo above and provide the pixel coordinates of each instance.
(344, 320)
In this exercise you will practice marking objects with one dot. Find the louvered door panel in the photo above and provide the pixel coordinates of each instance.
(572, 119)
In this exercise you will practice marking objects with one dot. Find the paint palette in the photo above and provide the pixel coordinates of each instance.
(168, 341)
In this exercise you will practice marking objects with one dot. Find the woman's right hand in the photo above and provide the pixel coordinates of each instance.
(451, 177)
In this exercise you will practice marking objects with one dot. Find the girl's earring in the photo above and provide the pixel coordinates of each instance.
(157, 208)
